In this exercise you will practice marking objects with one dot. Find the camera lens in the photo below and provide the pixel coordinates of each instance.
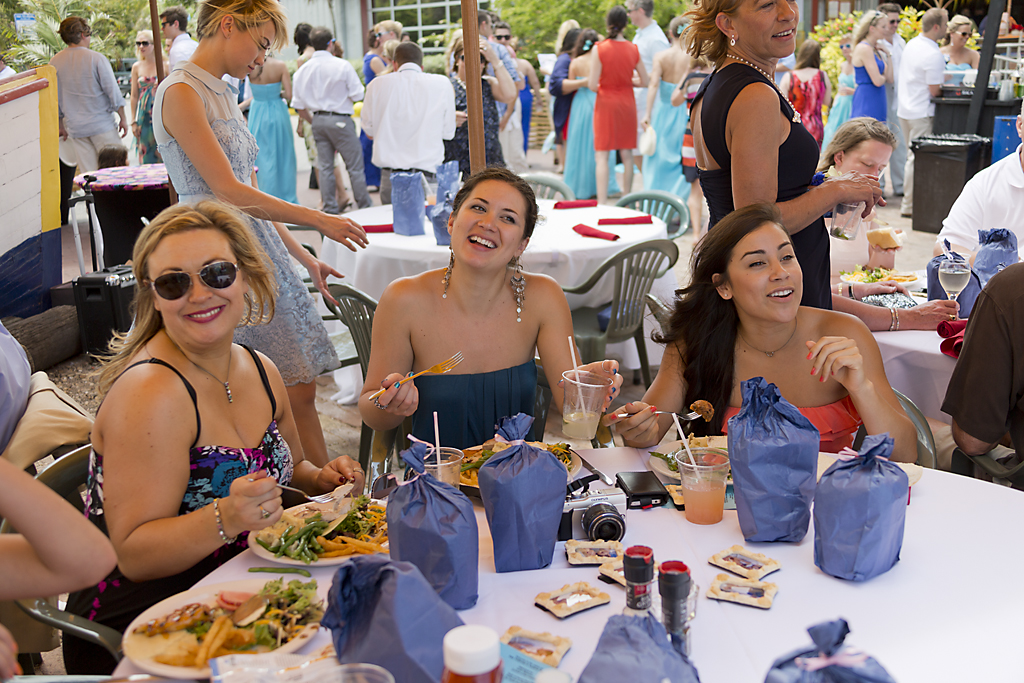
(602, 522)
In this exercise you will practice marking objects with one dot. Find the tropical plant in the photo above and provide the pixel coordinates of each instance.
(829, 36)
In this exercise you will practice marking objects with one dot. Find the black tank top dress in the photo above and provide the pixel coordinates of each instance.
(798, 158)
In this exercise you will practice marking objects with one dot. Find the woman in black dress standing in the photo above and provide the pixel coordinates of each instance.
(745, 156)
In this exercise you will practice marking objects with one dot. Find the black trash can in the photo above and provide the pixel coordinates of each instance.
(942, 166)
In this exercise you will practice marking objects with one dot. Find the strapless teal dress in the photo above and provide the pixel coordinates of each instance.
(470, 406)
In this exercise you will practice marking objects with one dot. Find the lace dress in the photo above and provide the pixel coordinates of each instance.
(295, 339)
(117, 600)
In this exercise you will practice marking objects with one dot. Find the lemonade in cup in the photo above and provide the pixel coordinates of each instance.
(583, 402)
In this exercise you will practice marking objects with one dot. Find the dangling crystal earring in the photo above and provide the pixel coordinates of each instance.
(448, 274)
(518, 287)
(732, 41)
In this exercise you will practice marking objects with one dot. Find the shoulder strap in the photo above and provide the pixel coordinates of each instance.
(264, 379)
(188, 387)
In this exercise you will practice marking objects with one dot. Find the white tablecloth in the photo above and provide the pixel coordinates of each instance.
(916, 367)
(948, 611)
(554, 250)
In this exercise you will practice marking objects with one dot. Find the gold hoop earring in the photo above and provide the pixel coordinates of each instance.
(448, 274)
(518, 282)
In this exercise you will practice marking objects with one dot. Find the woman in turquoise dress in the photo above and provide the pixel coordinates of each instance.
(482, 305)
(209, 152)
(842, 104)
(663, 170)
(270, 124)
(580, 170)
(142, 92)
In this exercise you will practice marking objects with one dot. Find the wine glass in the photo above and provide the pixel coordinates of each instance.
(954, 276)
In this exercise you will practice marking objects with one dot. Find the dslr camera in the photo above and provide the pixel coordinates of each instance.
(593, 515)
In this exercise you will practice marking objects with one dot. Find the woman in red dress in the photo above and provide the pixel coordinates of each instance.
(613, 64)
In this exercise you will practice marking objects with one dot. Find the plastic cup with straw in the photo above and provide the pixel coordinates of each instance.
(685, 439)
(582, 408)
(448, 461)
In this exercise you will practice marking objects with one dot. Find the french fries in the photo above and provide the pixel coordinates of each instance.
(343, 546)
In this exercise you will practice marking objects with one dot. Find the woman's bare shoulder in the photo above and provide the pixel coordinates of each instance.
(834, 323)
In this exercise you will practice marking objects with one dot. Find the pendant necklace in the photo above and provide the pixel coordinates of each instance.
(770, 354)
(796, 114)
(227, 384)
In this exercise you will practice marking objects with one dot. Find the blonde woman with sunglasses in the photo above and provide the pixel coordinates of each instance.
(195, 432)
(143, 91)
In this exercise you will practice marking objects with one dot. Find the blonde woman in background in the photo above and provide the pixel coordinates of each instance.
(839, 113)
(872, 67)
(954, 49)
(143, 90)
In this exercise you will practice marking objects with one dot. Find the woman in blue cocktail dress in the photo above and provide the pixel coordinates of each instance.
(272, 127)
(872, 67)
(580, 171)
(663, 170)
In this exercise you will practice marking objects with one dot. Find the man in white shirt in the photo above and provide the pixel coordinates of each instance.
(920, 79)
(895, 44)
(649, 40)
(993, 198)
(87, 95)
(324, 92)
(408, 114)
(174, 22)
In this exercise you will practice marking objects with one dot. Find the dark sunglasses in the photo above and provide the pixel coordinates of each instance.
(141, 43)
(505, 37)
(963, 33)
(171, 286)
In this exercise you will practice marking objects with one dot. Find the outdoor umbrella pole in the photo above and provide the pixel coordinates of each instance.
(474, 90)
(988, 51)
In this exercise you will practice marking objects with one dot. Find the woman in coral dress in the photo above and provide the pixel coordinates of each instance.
(612, 67)
(808, 88)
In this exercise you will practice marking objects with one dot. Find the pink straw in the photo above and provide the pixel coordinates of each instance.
(437, 439)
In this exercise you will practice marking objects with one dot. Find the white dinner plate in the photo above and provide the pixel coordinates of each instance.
(265, 554)
(661, 467)
(916, 283)
(135, 646)
(913, 471)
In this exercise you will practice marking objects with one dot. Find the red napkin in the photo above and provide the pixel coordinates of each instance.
(379, 228)
(629, 220)
(575, 203)
(588, 231)
(953, 333)
(951, 328)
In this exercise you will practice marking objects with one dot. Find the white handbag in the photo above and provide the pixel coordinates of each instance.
(648, 143)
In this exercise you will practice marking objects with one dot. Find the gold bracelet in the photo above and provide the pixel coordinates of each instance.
(228, 540)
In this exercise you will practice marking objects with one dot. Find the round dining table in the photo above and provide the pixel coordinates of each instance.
(554, 250)
(942, 613)
(917, 368)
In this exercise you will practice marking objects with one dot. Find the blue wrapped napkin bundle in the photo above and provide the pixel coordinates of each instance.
(997, 248)
(859, 512)
(408, 203)
(773, 450)
(384, 612)
(523, 491)
(828, 661)
(637, 649)
(432, 525)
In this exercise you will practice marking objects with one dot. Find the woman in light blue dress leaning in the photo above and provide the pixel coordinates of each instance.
(842, 105)
(272, 127)
(663, 170)
(210, 153)
(580, 171)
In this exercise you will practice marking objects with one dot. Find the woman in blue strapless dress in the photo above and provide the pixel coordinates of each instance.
(872, 67)
(198, 125)
(373, 64)
(270, 124)
(842, 104)
(580, 170)
(482, 305)
(663, 170)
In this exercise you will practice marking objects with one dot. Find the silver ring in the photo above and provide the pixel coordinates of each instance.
(263, 513)
(376, 402)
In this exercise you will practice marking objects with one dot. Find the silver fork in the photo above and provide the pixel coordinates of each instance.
(322, 498)
(682, 416)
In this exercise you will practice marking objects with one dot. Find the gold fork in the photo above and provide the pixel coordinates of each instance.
(438, 369)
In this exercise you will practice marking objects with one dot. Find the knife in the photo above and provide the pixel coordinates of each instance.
(604, 477)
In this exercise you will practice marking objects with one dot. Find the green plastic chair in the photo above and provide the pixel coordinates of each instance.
(926, 450)
(663, 205)
(548, 186)
(635, 269)
(67, 476)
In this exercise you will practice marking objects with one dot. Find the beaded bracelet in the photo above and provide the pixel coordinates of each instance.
(220, 525)
(894, 326)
